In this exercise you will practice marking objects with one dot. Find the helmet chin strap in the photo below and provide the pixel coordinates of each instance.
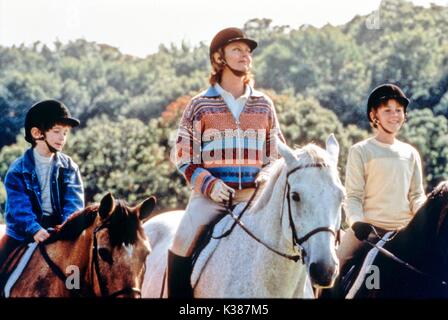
(385, 130)
(237, 73)
(51, 148)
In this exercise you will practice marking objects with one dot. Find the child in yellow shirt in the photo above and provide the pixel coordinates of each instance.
(383, 175)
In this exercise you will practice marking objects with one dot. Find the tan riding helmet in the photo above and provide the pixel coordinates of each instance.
(227, 36)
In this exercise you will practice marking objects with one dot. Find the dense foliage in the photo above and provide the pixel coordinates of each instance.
(319, 79)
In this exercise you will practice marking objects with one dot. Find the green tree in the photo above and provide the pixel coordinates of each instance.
(17, 93)
(264, 31)
(322, 63)
(304, 120)
(409, 46)
(429, 134)
(442, 107)
(125, 158)
(7, 156)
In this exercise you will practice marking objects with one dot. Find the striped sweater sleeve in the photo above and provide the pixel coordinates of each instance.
(274, 130)
(187, 157)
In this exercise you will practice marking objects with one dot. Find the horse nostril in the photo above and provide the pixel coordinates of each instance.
(321, 274)
(314, 273)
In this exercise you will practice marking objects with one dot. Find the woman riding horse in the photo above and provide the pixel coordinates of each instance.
(284, 242)
(224, 139)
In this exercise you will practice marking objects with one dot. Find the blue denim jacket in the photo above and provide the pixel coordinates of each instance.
(23, 209)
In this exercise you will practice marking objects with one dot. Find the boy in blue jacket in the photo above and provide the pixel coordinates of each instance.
(43, 186)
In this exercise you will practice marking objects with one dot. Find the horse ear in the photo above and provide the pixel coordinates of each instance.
(332, 147)
(146, 207)
(107, 205)
(285, 152)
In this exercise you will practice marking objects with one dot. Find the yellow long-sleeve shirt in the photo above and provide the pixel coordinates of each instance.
(383, 183)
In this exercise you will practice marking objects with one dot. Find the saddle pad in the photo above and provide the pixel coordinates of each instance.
(19, 269)
(368, 261)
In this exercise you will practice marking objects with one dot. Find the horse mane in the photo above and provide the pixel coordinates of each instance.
(442, 233)
(123, 224)
(423, 230)
(433, 211)
(79, 221)
(310, 153)
(440, 196)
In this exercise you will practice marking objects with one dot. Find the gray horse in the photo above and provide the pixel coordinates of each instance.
(297, 214)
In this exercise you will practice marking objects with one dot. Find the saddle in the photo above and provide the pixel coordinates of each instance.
(352, 276)
(206, 236)
(351, 273)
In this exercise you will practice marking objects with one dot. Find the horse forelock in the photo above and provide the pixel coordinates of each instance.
(124, 225)
(312, 153)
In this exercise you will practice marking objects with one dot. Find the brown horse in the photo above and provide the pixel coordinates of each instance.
(98, 251)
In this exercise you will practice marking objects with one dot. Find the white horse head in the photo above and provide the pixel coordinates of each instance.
(311, 216)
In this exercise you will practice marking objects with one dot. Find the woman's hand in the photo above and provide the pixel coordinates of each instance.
(262, 178)
(221, 192)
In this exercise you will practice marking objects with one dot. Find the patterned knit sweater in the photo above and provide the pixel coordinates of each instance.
(211, 144)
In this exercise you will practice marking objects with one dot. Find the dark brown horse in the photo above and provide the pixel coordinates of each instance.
(424, 245)
(98, 251)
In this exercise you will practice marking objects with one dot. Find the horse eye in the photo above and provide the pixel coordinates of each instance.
(295, 196)
(105, 255)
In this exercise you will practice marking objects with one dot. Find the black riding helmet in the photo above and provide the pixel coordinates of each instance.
(382, 94)
(45, 114)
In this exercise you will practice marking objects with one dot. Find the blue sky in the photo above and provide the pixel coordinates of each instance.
(138, 27)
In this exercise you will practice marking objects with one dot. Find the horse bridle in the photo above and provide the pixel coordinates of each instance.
(95, 269)
(295, 239)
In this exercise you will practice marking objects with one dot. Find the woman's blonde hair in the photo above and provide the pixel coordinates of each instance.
(218, 67)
